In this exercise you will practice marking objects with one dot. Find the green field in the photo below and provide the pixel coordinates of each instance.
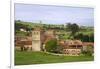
(26, 58)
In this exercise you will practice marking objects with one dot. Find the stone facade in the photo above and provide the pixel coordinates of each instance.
(72, 52)
(36, 40)
(71, 47)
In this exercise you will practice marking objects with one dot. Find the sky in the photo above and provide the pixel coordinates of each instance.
(54, 14)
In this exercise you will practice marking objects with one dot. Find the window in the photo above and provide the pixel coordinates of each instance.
(34, 33)
(37, 32)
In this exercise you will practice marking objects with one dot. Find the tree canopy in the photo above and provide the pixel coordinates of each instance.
(73, 28)
(51, 45)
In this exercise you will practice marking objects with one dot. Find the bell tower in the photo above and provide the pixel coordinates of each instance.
(36, 40)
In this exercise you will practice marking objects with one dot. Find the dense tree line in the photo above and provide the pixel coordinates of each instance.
(19, 24)
(73, 28)
(85, 37)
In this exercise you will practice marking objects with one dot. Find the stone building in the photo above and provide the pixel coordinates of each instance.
(88, 46)
(71, 47)
(21, 43)
(36, 42)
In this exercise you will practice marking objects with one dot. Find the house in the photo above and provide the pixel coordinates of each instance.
(23, 42)
(88, 46)
(75, 47)
(22, 29)
(71, 47)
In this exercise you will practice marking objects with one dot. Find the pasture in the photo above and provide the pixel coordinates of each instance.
(26, 58)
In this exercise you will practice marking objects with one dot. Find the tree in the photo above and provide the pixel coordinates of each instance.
(92, 37)
(51, 45)
(73, 28)
(85, 37)
(79, 36)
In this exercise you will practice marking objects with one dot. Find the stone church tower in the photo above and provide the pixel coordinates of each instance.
(36, 40)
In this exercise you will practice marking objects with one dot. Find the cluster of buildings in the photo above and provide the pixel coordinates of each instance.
(38, 39)
(76, 47)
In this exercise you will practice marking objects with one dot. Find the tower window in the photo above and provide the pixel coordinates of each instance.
(34, 32)
(37, 32)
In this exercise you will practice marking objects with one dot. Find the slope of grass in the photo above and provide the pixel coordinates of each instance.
(26, 58)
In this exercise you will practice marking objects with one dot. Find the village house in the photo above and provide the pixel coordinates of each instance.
(76, 47)
(23, 43)
(22, 29)
(88, 46)
(71, 47)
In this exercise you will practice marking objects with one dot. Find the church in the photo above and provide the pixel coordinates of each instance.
(35, 42)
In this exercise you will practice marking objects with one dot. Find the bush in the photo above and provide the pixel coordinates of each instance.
(87, 53)
(51, 45)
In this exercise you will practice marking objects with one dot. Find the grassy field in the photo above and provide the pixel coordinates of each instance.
(26, 58)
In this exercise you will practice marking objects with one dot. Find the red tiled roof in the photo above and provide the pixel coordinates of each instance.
(71, 42)
(88, 44)
(19, 43)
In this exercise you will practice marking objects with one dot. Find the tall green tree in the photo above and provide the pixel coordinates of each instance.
(73, 28)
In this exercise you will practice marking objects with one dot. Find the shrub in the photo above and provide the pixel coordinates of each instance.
(51, 45)
(87, 53)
